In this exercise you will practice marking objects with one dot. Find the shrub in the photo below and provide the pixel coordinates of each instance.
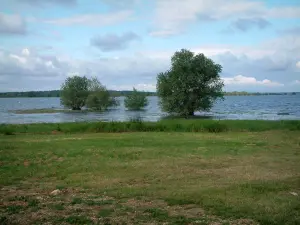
(7, 130)
(216, 127)
(136, 100)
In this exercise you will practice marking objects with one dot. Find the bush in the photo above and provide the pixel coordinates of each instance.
(7, 130)
(136, 100)
(216, 127)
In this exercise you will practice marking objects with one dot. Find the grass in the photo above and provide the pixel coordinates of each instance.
(170, 125)
(230, 177)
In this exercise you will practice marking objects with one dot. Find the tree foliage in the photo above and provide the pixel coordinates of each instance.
(74, 92)
(99, 97)
(135, 100)
(192, 84)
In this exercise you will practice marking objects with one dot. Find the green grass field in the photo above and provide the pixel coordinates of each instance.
(150, 177)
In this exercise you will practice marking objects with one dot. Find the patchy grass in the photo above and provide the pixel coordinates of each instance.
(158, 177)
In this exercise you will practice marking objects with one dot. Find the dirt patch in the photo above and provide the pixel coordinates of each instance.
(38, 206)
(145, 204)
(189, 211)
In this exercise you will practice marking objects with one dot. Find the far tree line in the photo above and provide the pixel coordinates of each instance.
(56, 94)
(192, 83)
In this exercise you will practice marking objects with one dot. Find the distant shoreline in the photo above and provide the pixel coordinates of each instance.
(56, 93)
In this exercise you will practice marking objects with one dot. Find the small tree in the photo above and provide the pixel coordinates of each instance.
(136, 100)
(74, 92)
(99, 98)
(192, 84)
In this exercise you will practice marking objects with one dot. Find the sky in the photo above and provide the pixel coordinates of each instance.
(126, 43)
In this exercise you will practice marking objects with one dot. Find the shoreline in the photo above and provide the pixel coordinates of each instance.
(167, 125)
(50, 110)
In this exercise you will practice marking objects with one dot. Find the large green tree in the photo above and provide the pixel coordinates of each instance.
(192, 84)
(136, 100)
(99, 97)
(74, 92)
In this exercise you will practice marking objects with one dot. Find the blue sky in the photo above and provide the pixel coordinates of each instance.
(127, 43)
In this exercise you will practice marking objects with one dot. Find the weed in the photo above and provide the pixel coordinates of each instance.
(4, 220)
(105, 212)
(14, 209)
(157, 213)
(216, 127)
(76, 201)
(78, 220)
(58, 207)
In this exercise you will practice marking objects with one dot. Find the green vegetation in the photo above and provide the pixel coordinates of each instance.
(74, 92)
(192, 84)
(155, 178)
(77, 92)
(99, 98)
(171, 125)
(136, 100)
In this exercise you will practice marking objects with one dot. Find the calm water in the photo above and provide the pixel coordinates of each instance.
(233, 107)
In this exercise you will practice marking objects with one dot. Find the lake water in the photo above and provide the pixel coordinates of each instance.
(278, 107)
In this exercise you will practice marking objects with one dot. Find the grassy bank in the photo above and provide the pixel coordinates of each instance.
(176, 125)
(151, 178)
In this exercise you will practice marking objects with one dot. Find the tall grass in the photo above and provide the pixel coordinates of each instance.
(175, 125)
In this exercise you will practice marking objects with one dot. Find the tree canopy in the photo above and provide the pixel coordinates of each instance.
(99, 98)
(192, 84)
(77, 92)
(74, 92)
(135, 100)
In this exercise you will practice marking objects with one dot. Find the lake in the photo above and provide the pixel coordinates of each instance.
(268, 107)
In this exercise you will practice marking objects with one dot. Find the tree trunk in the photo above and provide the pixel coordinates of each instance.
(191, 113)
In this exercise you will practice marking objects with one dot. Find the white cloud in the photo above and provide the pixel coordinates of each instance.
(243, 80)
(26, 52)
(298, 64)
(12, 24)
(176, 15)
(93, 19)
(25, 64)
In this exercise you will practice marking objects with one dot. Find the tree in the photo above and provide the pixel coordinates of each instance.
(136, 100)
(74, 92)
(99, 98)
(192, 84)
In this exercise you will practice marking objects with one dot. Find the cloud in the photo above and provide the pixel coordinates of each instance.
(296, 82)
(112, 42)
(12, 24)
(117, 4)
(162, 33)
(138, 86)
(92, 19)
(291, 31)
(28, 64)
(245, 24)
(30, 70)
(47, 2)
(298, 64)
(177, 15)
(243, 80)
